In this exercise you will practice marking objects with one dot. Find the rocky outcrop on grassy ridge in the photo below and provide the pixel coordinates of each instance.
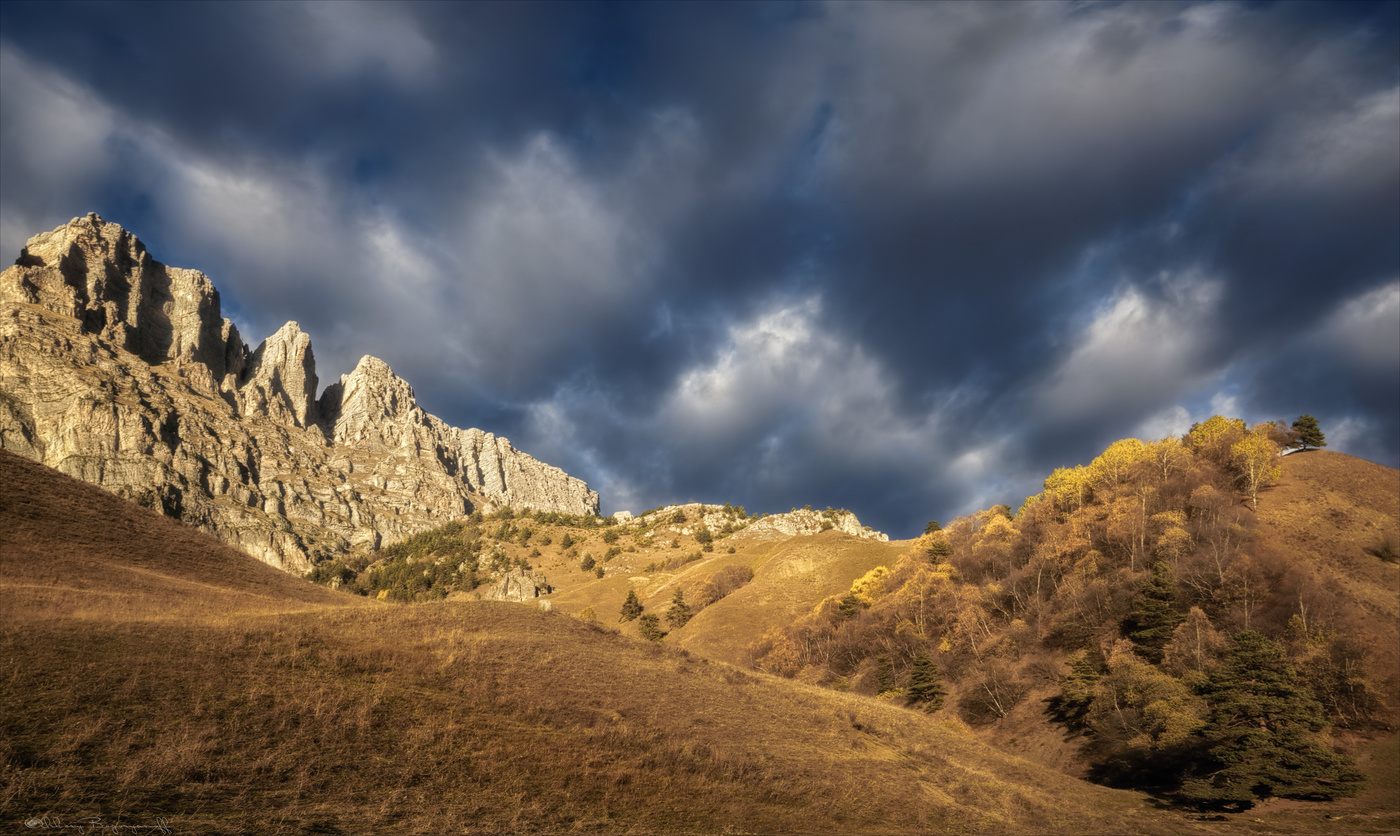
(121, 371)
(687, 519)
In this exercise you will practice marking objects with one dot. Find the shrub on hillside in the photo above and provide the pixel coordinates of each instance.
(723, 582)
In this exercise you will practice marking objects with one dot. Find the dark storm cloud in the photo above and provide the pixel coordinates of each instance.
(903, 258)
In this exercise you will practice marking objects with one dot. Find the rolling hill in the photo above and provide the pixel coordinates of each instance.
(157, 675)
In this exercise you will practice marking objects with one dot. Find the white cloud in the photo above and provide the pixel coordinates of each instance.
(1366, 329)
(1349, 148)
(1174, 420)
(1225, 404)
(1137, 353)
(781, 397)
(544, 253)
(1350, 434)
(348, 37)
(54, 133)
(782, 371)
(993, 95)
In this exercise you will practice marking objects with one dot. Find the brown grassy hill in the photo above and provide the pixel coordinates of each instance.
(789, 578)
(486, 717)
(154, 675)
(788, 581)
(1341, 512)
(68, 548)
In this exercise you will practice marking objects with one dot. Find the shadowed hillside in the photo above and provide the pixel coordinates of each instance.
(68, 548)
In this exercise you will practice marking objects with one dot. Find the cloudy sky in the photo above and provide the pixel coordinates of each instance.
(899, 258)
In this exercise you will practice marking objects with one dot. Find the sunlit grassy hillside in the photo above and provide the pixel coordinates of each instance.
(152, 674)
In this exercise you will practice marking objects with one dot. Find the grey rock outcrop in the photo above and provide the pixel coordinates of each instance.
(803, 522)
(797, 523)
(121, 371)
(515, 585)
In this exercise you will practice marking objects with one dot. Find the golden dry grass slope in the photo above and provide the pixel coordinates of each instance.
(1338, 512)
(152, 674)
(789, 579)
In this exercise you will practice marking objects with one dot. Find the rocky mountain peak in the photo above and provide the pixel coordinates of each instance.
(121, 371)
(101, 275)
(279, 379)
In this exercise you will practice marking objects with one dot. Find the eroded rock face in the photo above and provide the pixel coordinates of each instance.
(279, 380)
(797, 523)
(514, 585)
(121, 371)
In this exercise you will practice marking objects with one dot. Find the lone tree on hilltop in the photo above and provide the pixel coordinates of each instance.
(631, 608)
(1308, 433)
(1259, 735)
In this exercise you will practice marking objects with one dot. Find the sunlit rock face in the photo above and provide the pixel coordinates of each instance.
(121, 371)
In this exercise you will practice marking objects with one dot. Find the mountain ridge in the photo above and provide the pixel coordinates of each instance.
(122, 371)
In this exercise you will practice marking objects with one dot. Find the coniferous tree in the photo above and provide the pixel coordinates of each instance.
(884, 674)
(679, 613)
(1154, 615)
(925, 683)
(1071, 707)
(651, 627)
(631, 608)
(1260, 735)
(1308, 433)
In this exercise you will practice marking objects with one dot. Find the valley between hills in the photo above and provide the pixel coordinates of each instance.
(237, 606)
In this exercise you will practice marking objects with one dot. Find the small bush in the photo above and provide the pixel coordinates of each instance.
(722, 583)
(1386, 548)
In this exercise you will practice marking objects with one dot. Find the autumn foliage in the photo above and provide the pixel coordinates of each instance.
(1114, 595)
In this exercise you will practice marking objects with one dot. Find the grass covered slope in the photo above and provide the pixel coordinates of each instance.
(69, 548)
(791, 579)
(154, 674)
(1343, 514)
(484, 717)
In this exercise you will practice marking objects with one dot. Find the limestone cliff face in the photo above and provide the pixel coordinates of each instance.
(797, 523)
(121, 371)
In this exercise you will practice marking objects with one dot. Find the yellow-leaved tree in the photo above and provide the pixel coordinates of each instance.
(1114, 464)
(1213, 437)
(1068, 488)
(1255, 459)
